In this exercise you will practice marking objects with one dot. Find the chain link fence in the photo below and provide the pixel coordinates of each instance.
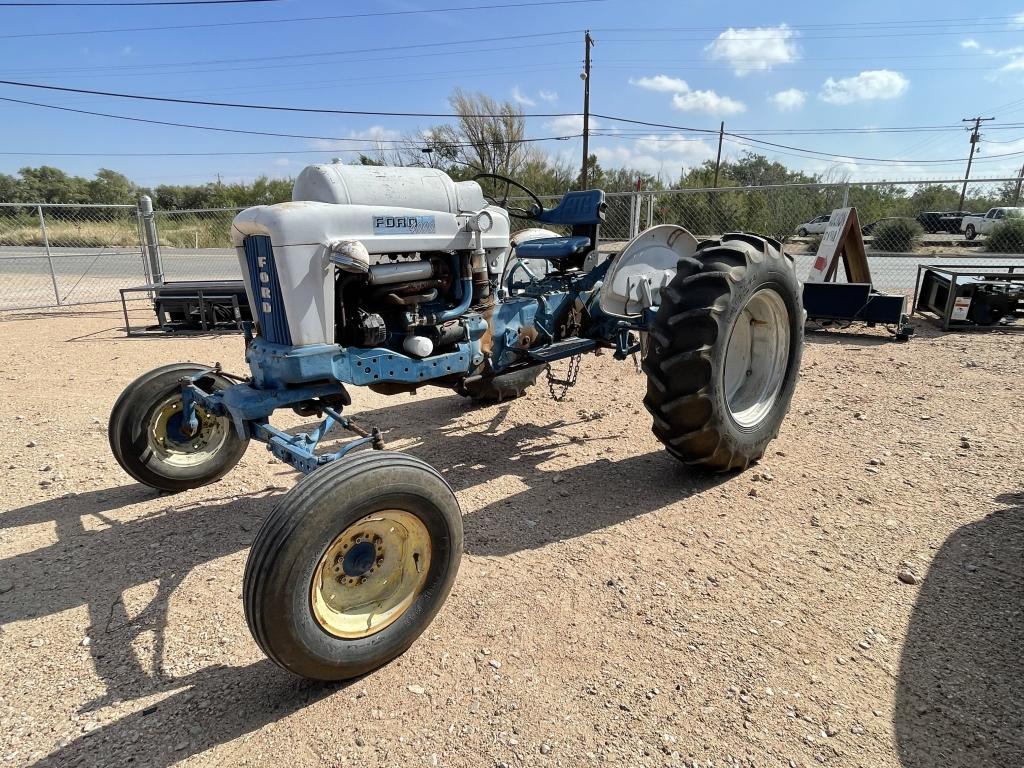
(53, 255)
(196, 244)
(903, 224)
(71, 254)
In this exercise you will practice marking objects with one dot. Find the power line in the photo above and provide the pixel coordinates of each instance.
(189, 154)
(268, 107)
(603, 132)
(871, 159)
(751, 131)
(974, 20)
(129, 4)
(375, 142)
(384, 57)
(134, 69)
(389, 50)
(761, 142)
(300, 19)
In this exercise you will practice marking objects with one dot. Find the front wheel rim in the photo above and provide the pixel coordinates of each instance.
(171, 443)
(370, 574)
(756, 358)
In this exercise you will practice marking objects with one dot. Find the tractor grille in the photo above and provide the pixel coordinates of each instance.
(266, 289)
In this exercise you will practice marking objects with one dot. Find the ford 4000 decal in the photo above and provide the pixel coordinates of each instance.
(403, 225)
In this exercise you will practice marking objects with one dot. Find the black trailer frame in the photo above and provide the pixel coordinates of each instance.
(1011, 273)
(207, 296)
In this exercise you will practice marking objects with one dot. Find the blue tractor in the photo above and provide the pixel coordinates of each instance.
(398, 278)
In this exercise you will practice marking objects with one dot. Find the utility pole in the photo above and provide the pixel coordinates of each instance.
(718, 160)
(975, 138)
(1020, 182)
(588, 43)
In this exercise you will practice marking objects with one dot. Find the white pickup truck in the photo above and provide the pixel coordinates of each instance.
(973, 225)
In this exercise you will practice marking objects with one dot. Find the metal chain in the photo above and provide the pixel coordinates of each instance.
(567, 383)
(571, 328)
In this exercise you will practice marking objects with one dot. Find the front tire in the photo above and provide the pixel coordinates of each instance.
(970, 232)
(801, 232)
(352, 565)
(146, 437)
(725, 351)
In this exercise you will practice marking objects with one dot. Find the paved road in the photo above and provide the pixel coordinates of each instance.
(95, 274)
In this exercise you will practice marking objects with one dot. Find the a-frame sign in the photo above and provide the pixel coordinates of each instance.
(842, 238)
(855, 300)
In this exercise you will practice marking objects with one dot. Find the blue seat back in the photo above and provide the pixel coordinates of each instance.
(584, 208)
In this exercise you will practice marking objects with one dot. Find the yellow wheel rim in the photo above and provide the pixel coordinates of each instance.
(371, 574)
(169, 440)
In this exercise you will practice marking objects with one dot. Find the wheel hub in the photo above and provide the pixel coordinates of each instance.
(756, 358)
(169, 439)
(370, 574)
(359, 560)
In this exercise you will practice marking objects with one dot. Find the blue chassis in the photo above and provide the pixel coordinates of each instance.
(285, 376)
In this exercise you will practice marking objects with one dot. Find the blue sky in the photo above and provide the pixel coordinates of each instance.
(766, 69)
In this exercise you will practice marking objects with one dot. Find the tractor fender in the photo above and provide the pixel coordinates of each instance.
(647, 264)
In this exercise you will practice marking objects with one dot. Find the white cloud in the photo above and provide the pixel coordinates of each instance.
(876, 84)
(707, 101)
(549, 96)
(970, 42)
(788, 100)
(375, 133)
(520, 98)
(755, 49)
(570, 124)
(127, 50)
(1016, 65)
(687, 100)
(282, 161)
(658, 155)
(661, 83)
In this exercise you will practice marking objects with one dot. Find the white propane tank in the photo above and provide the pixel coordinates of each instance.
(423, 188)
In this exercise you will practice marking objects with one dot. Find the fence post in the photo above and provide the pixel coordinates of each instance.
(846, 196)
(49, 257)
(650, 210)
(152, 240)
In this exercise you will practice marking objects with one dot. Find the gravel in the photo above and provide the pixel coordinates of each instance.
(693, 563)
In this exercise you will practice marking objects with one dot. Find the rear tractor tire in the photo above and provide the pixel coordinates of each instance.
(147, 439)
(503, 386)
(724, 352)
(352, 565)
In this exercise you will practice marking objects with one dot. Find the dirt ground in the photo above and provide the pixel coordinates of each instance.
(613, 608)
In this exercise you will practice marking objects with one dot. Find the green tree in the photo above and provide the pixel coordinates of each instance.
(47, 184)
(111, 187)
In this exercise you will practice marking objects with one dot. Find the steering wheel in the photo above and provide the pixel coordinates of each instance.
(514, 211)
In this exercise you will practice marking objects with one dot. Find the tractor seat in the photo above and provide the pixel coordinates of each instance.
(553, 248)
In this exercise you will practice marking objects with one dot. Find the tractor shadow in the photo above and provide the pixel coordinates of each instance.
(101, 551)
(960, 689)
(556, 504)
(211, 707)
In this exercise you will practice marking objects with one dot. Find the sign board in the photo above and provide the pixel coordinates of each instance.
(827, 250)
(961, 306)
(843, 238)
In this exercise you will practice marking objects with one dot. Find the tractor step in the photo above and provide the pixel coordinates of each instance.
(574, 345)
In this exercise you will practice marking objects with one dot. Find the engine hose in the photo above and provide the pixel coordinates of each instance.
(408, 301)
(467, 296)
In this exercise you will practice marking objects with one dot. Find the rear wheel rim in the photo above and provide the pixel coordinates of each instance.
(371, 574)
(756, 358)
(171, 444)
